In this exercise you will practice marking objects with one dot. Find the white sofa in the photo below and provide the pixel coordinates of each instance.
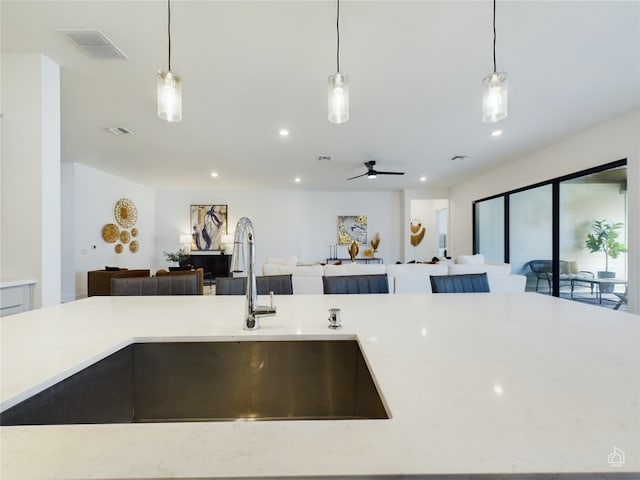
(413, 277)
(402, 278)
(306, 279)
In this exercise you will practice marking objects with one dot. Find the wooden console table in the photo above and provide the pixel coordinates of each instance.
(214, 266)
(357, 260)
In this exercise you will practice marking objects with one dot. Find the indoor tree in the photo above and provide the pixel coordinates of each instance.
(604, 238)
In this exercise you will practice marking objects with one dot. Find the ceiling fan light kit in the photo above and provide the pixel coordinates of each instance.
(372, 172)
(169, 85)
(495, 88)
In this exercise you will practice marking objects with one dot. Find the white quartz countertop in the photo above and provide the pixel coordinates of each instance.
(475, 384)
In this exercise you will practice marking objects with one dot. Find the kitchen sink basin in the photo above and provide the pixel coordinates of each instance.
(212, 381)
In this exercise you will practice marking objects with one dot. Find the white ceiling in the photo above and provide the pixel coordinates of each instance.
(251, 68)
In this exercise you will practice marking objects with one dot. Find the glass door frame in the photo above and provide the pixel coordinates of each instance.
(555, 221)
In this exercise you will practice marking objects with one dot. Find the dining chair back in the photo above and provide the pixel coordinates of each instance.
(162, 285)
(278, 284)
(355, 284)
(198, 271)
(466, 283)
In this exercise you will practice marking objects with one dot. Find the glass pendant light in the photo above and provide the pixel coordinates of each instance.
(169, 86)
(338, 98)
(495, 88)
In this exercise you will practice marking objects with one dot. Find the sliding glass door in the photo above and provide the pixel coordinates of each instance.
(566, 235)
(489, 236)
(592, 208)
(530, 235)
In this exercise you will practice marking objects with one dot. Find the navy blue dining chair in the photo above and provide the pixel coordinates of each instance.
(354, 284)
(466, 283)
(278, 284)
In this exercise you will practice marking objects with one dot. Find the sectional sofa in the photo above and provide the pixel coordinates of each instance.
(402, 278)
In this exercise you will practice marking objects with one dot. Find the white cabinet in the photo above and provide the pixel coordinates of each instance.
(16, 296)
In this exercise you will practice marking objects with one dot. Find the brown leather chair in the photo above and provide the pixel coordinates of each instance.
(99, 281)
(198, 271)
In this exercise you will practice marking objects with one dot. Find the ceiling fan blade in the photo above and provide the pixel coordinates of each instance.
(389, 173)
(358, 176)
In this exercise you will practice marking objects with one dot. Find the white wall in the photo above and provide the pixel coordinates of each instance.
(613, 140)
(95, 194)
(275, 215)
(409, 196)
(287, 221)
(319, 222)
(425, 212)
(31, 232)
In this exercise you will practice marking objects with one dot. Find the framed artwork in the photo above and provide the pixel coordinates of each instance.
(352, 227)
(208, 224)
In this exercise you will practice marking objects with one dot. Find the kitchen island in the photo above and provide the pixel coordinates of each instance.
(475, 384)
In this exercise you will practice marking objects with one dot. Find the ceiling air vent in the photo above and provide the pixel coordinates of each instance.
(94, 43)
(119, 130)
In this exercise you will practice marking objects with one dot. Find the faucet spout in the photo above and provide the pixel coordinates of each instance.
(244, 241)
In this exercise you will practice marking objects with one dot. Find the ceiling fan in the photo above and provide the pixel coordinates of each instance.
(373, 173)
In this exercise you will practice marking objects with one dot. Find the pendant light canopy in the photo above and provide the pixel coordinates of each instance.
(169, 86)
(338, 99)
(495, 88)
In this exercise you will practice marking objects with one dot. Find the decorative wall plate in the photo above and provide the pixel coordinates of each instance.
(125, 236)
(134, 232)
(133, 246)
(110, 232)
(416, 239)
(126, 213)
(118, 248)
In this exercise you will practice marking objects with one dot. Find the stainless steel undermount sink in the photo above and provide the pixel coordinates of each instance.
(212, 381)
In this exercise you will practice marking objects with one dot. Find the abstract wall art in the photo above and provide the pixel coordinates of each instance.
(208, 224)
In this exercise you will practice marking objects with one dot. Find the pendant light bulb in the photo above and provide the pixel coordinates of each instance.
(169, 85)
(338, 95)
(495, 105)
(169, 97)
(338, 98)
(495, 101)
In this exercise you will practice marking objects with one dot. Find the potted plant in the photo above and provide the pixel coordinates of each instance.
(176, 257)
(604, 238)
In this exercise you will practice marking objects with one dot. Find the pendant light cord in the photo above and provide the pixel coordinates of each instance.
(494, 37)
(338, 36)
(169, 30)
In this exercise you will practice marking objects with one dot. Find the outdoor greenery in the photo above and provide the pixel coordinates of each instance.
(604, 238)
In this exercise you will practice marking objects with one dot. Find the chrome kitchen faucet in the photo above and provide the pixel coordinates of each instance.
(245, 233)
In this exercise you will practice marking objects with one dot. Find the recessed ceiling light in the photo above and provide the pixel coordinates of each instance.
(423, 179)
(284, 132)
(496, 133)
(297, 179)
(214, 174)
